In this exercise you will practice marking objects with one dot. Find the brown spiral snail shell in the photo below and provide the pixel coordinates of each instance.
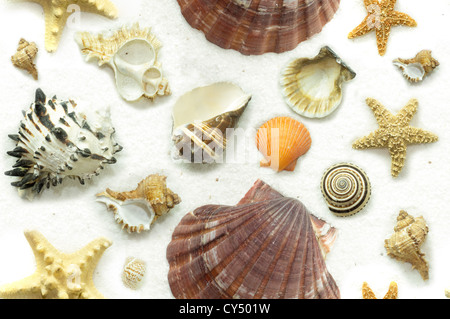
(346, 189)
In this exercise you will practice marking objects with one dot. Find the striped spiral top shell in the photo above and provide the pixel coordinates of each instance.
(346, 189)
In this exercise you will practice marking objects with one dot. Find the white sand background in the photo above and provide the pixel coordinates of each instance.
(70, 217)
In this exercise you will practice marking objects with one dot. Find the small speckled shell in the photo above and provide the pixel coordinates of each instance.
(346, 189)
(133, 273)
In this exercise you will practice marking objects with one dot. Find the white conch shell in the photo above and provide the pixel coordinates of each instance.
(138, 209)
(133, 55)
(415, 69)
(201, 118)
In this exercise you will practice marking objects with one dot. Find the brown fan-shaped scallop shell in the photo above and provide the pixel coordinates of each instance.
(258, 26)
(267, 246)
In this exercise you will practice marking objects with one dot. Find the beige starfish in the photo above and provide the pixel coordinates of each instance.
(381, 16)
(395, 133)
(57, 11)
(392, 293)
(58, 275)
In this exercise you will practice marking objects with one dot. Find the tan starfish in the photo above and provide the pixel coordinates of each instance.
(395, 133)
(381, 16)
(58, 275)
(392, 293)
(57, 11)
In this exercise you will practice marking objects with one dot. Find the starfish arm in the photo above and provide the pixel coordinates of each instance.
(389, 4)
(365, 27)
(420, 136)
(102, 7)
(405, 115)
(382, 115)
(367, 293)
(400, 18)
(42, 249)
(375, 139)
(382, 34)
(87, 259)
(392, 292)
(397, 149)
(28, 287)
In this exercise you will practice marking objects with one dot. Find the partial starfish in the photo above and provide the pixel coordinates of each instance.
(381, 16)
(57, 11)
(59, 275)
(392, 293)
(395, 133)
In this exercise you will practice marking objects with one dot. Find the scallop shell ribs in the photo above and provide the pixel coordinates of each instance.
(404, 244)
(267, 246)
(54, 142)
(255, 27)
(282, 140)
(313, 87)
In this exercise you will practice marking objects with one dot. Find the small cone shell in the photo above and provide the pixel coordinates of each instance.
(24, 57)
(282, 140)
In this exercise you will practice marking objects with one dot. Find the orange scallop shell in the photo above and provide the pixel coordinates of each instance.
(282, 140)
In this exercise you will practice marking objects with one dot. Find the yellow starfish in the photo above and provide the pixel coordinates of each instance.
(58, 275)
(381, 16)
(392, 293)
(395, 133)
(57, 11)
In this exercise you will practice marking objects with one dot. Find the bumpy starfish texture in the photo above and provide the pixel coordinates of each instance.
(394, 133)
(58, 275)
(392, 293)
(57, 11)
(381, 16)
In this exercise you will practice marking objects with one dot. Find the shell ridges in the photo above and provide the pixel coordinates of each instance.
(255, 27)
(255, 250)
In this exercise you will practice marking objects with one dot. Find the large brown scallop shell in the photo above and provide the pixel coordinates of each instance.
(267, 246)
(258, 26)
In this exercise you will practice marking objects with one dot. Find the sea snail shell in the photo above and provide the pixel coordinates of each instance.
(346, 189)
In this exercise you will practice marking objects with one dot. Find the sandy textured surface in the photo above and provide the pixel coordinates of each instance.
(70, 217)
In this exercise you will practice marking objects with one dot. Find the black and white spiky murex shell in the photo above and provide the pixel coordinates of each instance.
(55, 141)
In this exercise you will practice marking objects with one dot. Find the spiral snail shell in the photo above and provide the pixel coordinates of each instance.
(346, 189)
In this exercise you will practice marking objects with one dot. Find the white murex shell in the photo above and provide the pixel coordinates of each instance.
(54, 141)
(133, 55)
(201, 118)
